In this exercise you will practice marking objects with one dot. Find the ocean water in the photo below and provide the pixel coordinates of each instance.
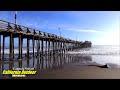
(100, 54)
(16, 52)
(24, 50)
(96, 55)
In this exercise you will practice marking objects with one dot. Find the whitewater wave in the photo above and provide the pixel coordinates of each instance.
(24, 51)
(105, 50)
(16, 51)
(95, 50)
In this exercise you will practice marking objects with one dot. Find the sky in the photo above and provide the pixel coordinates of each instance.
(99, 27)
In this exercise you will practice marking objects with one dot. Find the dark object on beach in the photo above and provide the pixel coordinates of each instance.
(104, 66)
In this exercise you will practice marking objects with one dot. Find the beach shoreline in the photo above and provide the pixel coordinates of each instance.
(67, 67)
(75, 71)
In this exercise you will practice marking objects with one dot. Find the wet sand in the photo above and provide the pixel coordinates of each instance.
(76, 71)
(67, 67)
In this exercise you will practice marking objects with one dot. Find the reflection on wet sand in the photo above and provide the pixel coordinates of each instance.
(48, 61)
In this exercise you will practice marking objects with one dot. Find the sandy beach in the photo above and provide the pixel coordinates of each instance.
(75, 71)
(75, 67)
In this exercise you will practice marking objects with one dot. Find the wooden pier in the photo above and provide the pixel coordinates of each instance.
(45, 43)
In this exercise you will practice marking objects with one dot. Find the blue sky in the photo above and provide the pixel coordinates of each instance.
(99, 27)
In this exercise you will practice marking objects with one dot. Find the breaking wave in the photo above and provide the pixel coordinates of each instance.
(97, 50)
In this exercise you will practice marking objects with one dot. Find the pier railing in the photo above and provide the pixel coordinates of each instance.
(7, 26)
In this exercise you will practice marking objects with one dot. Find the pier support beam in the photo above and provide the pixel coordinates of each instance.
(38, 48)
(49, 46)
(42, 46)
(38, 51)
(56, 51)
(33, 46)
(11, 47)
(64, 47)
(59, 46)
(0, 47)
(28, 40)
(46, 47)
(53, 47)
(3, 47)
(20, 47)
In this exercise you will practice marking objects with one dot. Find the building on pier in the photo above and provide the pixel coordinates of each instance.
(86, 44)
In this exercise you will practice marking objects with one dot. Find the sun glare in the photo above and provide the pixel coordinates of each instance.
(111, 38)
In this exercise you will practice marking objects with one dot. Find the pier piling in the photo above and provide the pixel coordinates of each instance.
(45, 42)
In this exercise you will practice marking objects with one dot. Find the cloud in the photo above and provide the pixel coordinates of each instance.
(82, 30)
(54, 26)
